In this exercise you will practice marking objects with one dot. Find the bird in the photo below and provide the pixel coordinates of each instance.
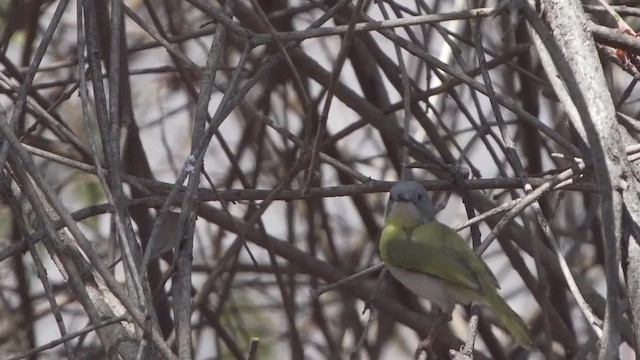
(434, 262)
(169, 236)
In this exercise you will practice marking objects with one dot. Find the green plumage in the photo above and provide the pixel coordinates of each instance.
(404, 249)
(433, 261)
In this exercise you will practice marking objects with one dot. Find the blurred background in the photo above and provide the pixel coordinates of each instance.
(276, 127)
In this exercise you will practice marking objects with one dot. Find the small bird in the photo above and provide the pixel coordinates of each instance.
(169, 235)
(434, 262)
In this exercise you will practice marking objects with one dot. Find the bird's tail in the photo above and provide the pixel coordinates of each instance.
(508, 317)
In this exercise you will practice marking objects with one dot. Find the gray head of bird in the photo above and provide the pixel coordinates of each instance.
(409, 202)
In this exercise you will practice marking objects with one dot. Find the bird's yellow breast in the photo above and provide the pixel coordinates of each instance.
(392, 233)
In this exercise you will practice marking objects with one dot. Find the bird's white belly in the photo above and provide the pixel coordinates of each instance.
(440, 292)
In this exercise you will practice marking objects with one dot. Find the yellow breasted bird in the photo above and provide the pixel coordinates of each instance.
(434, 262)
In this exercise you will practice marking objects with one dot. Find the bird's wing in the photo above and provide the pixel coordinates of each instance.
(437, 250)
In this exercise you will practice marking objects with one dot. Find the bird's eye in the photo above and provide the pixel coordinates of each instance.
(419, 196)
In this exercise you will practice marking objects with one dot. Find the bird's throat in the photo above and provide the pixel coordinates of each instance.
(404, 214)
